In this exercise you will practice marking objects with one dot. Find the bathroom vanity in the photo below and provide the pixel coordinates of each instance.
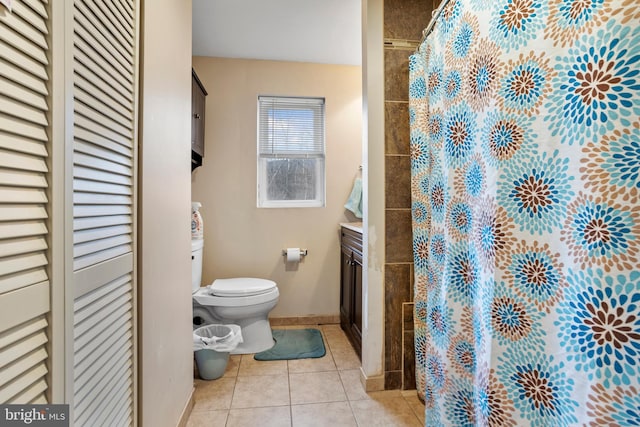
(351, 283)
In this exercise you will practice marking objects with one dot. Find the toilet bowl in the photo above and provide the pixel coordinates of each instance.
(244, 301)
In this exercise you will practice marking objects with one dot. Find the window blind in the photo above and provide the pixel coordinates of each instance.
(290, 126)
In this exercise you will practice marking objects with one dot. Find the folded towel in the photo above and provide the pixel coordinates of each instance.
(354, 204)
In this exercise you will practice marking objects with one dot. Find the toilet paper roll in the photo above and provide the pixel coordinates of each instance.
(293, 254)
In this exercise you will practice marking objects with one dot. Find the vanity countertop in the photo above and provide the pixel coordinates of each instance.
(355, 226)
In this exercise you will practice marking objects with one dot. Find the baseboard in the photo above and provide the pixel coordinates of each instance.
(186, 413)
(304, 320)
(371, 383)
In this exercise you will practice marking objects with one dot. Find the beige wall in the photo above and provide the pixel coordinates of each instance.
(165, 345)
(242, 240)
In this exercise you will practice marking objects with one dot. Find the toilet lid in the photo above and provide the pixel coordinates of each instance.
(240, 286)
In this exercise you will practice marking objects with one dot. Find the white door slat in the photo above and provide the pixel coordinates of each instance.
(82, 172)
(123, 282)
(88, 142)
(25, 112)
(93, 44)
(38, 6)
(83, 185)
(18, 75)
(81, 249)
(22, 246)
(103, 368)
(89, 411)
(20, 178)
(127, 8)
(22, 364)
(97, 103)
(19, 332)
(118, 111)
(21, 279)
(121, 31)
(27, 162)
(21, 144)
(100, 117)
(9, 392)
(104, 317)
(20, 93)
(23, 128)
(99, 68)
(32, 395)
(23, 61)
(98, 210)
(95, 234)
(98, 199)
(12, 265)
(80, 159)
(15, 229)
(21, 44)
(117, 397)
(102, 37)
(22, 195)
(105, 132)
(88, 260)
(84, 370)
(22, 212)
(102, 221)
(15, 352)
(89, 349)
(26, 30)
(35, 14)
(84, 73)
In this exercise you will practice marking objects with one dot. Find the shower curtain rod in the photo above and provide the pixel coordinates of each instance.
(434, 17)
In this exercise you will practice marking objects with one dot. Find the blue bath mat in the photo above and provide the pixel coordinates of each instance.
(294, 344)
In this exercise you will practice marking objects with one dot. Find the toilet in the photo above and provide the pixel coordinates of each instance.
(243, 301)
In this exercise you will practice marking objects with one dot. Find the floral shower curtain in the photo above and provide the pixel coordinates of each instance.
(525, 151)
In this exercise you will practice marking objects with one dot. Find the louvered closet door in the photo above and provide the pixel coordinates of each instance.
(24, 285)
(104, 96)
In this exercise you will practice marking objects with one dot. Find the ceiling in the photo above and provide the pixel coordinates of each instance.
(321, 31)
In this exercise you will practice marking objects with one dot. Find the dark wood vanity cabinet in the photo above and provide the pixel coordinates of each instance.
(351, 286)
(198, 100)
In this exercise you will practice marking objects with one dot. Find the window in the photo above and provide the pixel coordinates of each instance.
(290, 152)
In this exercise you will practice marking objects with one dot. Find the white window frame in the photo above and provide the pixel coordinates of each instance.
(269, 149)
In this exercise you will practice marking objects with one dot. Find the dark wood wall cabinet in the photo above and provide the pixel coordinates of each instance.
(198, 101)
(351, 286)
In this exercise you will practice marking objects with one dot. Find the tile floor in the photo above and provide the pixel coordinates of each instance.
(323, 392)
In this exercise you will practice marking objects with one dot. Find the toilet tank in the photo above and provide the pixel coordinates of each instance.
(196, 264)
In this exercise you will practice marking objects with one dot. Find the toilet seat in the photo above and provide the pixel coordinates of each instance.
(240, 287)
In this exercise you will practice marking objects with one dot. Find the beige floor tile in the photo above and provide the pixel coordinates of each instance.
(416, 405)
(232, 366)
(261, 391)
(251, 367)
(214, 394)
(352, 385)
(319, 364)
(316, 387)
(208, 418)
(278, 416)
(389, 411)
(334, 414)
(345, 358)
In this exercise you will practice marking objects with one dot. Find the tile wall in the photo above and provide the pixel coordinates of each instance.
(404, 21)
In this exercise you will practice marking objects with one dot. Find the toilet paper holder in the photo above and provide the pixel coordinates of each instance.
(303, 252)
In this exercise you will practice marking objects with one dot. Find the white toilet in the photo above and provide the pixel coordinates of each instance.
(242, 301)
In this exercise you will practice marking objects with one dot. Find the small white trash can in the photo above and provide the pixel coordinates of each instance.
(212, 345)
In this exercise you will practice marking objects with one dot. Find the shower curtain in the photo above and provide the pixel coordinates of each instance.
(525, 157)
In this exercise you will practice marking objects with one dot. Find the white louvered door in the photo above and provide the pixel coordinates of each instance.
(24, 144)
(104, 134)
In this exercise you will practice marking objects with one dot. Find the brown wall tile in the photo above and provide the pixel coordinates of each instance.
(396, 128)
(405, 19)
(397, 171)
(396, 291)
(398, 236)
(407, 315)
(393, 380)
(396, 74)
(409, 360)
